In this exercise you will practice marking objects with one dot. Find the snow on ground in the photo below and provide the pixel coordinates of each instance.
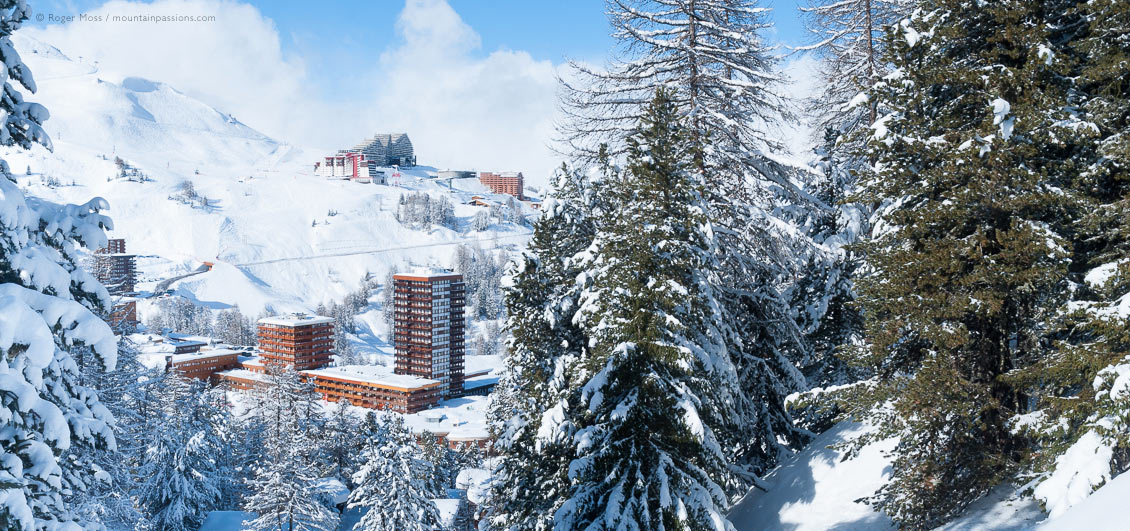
(281, 237)
(226, 520)
(817, 490)
(1102, 510)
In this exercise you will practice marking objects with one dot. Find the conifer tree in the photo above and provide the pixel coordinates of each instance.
(711, 53)
(128, 393)
(391, 487)
(283, 486)
(658, 383)
(848, 42)
(1090, 336)
(180, 471)
(49, 307)
(526, 410)
(969, 258)
(340, 442)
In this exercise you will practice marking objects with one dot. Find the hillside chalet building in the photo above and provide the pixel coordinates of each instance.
(429, 327)
(507, 182)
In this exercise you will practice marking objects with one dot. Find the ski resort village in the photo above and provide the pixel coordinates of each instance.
(597, 265)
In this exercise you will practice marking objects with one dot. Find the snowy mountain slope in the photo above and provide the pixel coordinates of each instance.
(280, 236)
(818, 489)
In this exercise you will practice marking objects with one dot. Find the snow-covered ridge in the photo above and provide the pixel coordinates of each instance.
(281, 238)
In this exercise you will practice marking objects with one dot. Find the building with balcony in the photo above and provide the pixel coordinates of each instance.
(387, 149)
(371, 387)
(350, 165)
(115, 268)
(428, 329)
(507, 182)
(299, 341)
(203, 364)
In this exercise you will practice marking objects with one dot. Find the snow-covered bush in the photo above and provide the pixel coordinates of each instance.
(1100, 453)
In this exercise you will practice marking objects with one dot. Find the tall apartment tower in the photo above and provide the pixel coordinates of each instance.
(297, 340)
(428, 328)
(114, 268)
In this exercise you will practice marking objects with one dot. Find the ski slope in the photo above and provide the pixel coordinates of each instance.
(282, 239)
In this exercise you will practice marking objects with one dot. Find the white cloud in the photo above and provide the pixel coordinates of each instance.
(234, 63)
(462, 109)
(489, 113)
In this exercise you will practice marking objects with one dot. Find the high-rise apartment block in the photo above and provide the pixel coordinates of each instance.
(114, 268)
(429, 327)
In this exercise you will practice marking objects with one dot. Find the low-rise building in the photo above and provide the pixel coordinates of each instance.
(203, 364)
(371, 387)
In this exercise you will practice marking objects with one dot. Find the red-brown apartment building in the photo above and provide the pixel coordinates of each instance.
(507, 182)
(429, 328)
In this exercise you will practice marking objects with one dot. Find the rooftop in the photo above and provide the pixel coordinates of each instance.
(296, 319)
(374, 375)
(216, 352)
(427, 273)
(243, 374)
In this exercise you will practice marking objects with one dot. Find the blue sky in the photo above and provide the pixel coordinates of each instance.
(339, 32)
(473, 82)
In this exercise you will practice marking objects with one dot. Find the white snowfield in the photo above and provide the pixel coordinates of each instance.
(281, 238)
(817, 490)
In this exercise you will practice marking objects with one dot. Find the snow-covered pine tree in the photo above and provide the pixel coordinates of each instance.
(848, 42)
(341, 442)
(283, 496)
(970, 257)
(127, 392)
(848, 37)
(388, 297)
(391, 488)
(1078, 404)
(659, 384)
(180, 471)
(48, 308)
(284, 492)
(536, 388)
(711, 53)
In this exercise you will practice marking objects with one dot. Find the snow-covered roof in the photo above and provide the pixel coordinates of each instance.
(243, 374)
(296, 319)
(448, 508)
(427, 272)
(469, 432)
(203, 354)
(481, 381)
(374, 375)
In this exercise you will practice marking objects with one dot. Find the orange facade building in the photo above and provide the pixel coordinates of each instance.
(367, 386)
(204, 364)
(507, 182)
(298, 341)
(429, 328)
